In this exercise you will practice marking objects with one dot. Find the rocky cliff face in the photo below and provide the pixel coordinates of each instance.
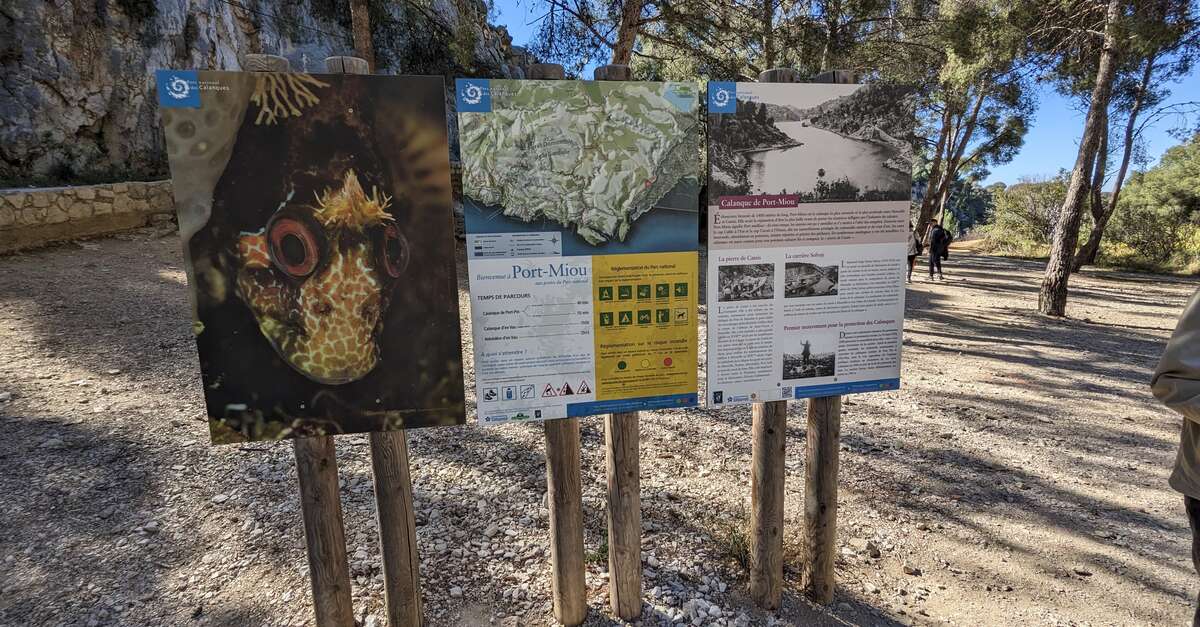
(77, 102)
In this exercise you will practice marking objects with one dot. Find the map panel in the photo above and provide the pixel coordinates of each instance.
(592, 158)
(581, 207)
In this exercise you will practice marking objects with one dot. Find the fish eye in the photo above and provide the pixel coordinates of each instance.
(294, 245)
(393, 251)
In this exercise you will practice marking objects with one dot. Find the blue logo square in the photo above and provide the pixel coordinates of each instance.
(178, 88)
(722, 97)
(473, 94)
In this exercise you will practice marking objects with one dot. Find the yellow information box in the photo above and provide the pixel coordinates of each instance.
(645, 324)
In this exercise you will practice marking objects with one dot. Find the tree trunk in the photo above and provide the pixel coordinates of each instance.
(768, 26)
(1052, 299)
(1091, 249)
(958, 145)
(360, 28)
(935, 174)
(627, 32)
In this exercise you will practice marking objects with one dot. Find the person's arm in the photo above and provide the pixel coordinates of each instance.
(1176, 381)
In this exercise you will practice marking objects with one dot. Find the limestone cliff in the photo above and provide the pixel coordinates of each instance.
(76, 76)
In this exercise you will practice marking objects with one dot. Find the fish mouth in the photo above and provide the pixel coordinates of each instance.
(290, 342)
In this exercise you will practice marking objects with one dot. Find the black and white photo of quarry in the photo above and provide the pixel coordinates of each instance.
(754, 281)
(823, 143)
(806, 279)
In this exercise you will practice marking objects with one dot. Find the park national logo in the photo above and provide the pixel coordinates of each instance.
(473, 94)
(178, 88)
(722, 97)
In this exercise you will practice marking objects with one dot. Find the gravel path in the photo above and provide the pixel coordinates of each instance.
(1019, 477)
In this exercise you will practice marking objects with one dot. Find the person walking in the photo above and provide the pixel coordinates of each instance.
(914, 249)
(806, 354)
(939, 250)
(1176, 383)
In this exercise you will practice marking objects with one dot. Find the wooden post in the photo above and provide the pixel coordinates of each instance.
(624, 480)
(393, 486)
(320, 503)
(767, 472)
(767, 478)
(564, 486)
(820, 495)
(823, 441)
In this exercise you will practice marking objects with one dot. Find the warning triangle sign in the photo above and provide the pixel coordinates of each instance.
(565, 390)
(583, 388)
(549, 391)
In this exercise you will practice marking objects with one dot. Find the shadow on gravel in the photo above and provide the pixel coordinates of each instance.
(102, 311)
(970, 486)
(85, 491)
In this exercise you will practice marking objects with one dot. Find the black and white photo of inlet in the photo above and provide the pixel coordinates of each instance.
(755, 281)
(809, 357)
(821, 142)
(802, 280)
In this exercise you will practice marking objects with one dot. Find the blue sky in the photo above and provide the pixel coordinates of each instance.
(1050, 144)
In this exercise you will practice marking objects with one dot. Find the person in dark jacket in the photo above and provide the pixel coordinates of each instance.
(939, 249)
(1176, 383)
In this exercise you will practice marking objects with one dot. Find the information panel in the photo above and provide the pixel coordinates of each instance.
(580, 201)
(808, 223)
(315, 213)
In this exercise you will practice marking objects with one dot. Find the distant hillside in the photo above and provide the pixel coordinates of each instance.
(785, 113)
(880, 113)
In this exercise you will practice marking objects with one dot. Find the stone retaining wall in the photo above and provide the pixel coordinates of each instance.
(35, 217)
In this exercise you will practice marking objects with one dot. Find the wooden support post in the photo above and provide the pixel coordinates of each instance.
(321, 506)
(767, 472)
(397, 528)
(393, 486)
(624, 480)
(767, 478)
(564, 486)
(566, 521)
(820, 495)
(823, 441)
(320, 503)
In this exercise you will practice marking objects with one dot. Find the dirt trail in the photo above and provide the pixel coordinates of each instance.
(1021, 470)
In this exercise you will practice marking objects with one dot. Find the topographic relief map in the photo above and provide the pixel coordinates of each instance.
(593, 157)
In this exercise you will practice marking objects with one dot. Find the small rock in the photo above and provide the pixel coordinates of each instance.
(456, 592)
(863, 545)
(113, 371)
(1083, 572)
(371, 621)
(845, 607)
(52, 443)
(108, 511)
(5, 397)
(870, 588)
(909, 569)
(491, 531)
(151, 527)
(220, 498)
